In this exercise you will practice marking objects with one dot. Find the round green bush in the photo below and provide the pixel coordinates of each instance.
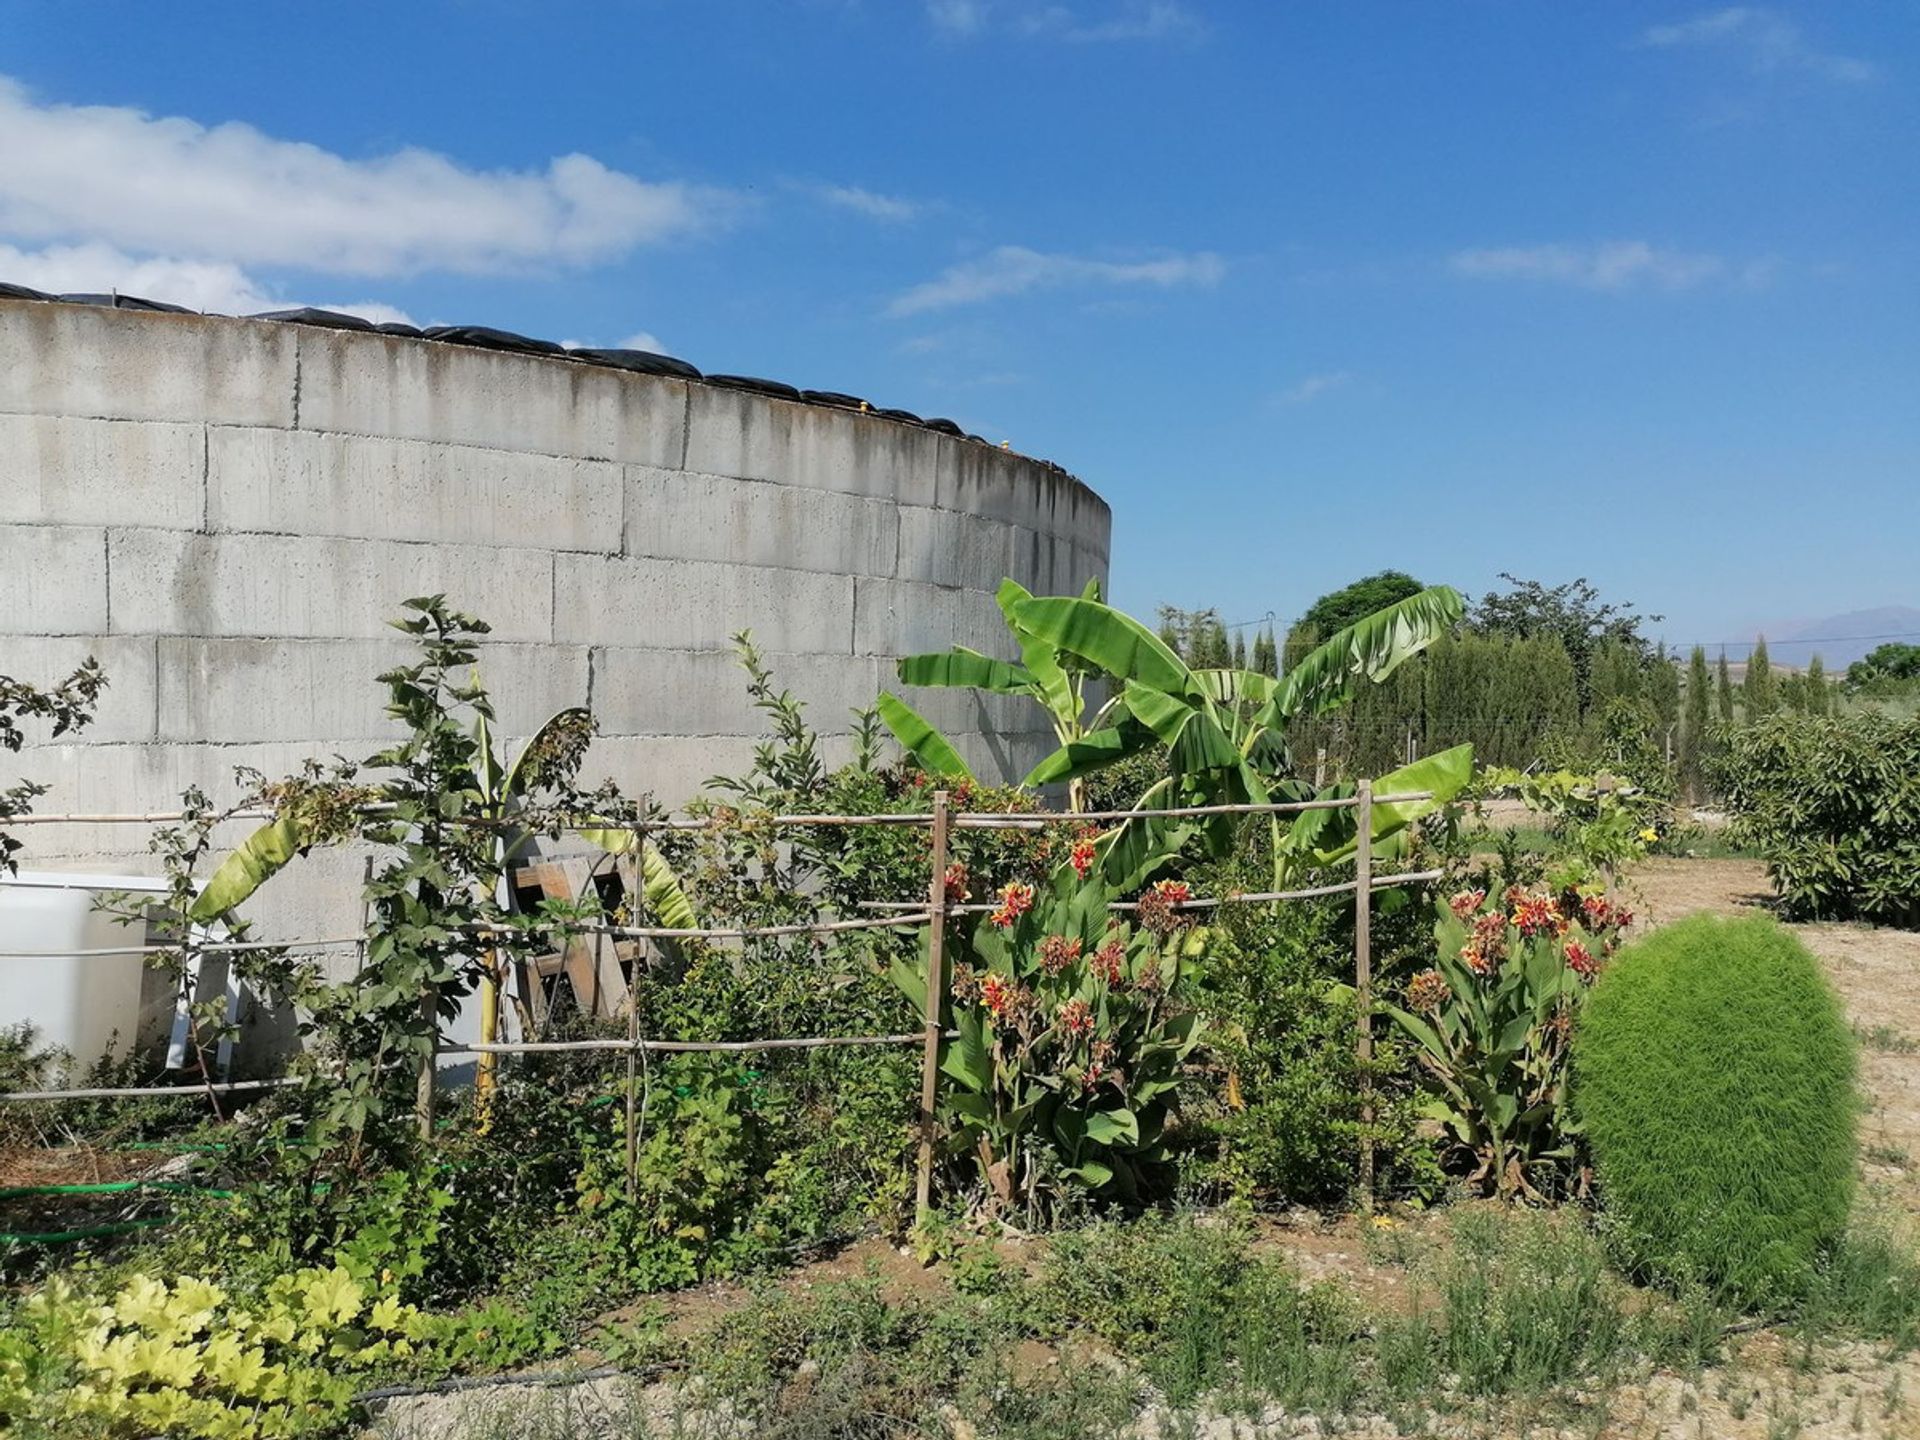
(1713, 1075)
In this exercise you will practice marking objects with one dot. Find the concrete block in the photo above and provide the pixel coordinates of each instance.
(704, 692)
(945, 548)
(248, 691)
(62, 470)
(674, 515)
(669, 768)
(903, 617)
(697, 605)
(53, 580)
(305, 483)
(362, 384)
(126, 708)
(172, 583)
(132, 365)
(1001, 485)
(752, 437)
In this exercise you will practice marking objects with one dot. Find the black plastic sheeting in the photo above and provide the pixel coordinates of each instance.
(484, 337)
(835, 399)
(644, 362)
(776, 388)
(128, 302)
(641, 362)
(324, 319)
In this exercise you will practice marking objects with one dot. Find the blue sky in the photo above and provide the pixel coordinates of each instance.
(1303, 289)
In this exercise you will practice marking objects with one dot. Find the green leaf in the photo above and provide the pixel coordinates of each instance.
(964, 669)
(1369, 649)
(1092, 752)
(968, 1059)
(927, 745)
(257, 859)
(1093, 1174)
(1108, 638)
(1113, 1127)
(667, 902)
(1051, 683)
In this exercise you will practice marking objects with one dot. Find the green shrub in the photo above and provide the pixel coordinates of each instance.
(1713, 1072)
(1833, 806)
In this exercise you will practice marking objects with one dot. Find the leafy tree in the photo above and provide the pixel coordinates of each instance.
(1663, 686)
(1892, 661)
(1723, 691)
(1762, 692)
(1239, 652)
(1338, 609)
(66, 706)
(1693, 734)
(1573, 611)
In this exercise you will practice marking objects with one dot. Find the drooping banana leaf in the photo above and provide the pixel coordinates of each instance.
(1094, 751)
(1369, 649)
(255, 861)
(1107, 638)
(933, 751)
(667, 902)
(1326, 837)
(966, 669)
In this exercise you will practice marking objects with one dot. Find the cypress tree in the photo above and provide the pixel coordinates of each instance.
(1723, 691)
(1819, 698)
(1663, 686)
(1239, 652)
(1266, 658)
(1763, 694)
(1693, 735)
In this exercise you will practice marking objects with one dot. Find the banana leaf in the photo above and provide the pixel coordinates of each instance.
(255, 861)
(667, 902)
(1370, 649)
(1107, 638)
(933, 751)
(961, 668)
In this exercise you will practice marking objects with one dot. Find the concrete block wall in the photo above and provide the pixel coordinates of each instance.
(227, 512)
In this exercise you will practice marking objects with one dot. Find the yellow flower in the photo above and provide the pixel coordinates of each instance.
(1383, 1222)
(1649, 835)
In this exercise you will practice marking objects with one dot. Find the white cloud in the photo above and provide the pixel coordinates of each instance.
(1771, 44)
(1014, 270)
(229, 193)
(1610, 265)
(642, 340)
(1314, 386)
(1088, 23)
(217, 286)
(867, 202)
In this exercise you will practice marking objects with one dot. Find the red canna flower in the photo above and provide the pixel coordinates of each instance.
(1597, 911)
(966, 984)
(1537, 915)
(1083, 854)
(1474, 955)
(956, 883)
(996, 993)
(1075, 1018)
(1108, 962)
(1429, 990)
(1015, 900)
(1057, 952)
(1580, 960)
(1466, 902)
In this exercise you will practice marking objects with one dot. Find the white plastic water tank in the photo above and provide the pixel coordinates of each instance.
(86, 1004)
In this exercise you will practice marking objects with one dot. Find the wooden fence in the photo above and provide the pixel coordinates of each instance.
(933, 913)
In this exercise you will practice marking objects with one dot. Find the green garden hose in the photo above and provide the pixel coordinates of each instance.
(103, 1187)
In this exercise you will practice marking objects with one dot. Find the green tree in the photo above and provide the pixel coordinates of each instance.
(1819, 693)
(1663, 686)
(1693, 734)
(1338, 609)
(1723, 691)
(1239, 652)
(1762, 691)
(66, 706)
(1266, 659)
(1573, 611)
(1892, 661)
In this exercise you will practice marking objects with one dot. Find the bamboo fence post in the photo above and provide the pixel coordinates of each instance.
(424, 1077)
(1363, 979)
(639, 909)
(936, 992)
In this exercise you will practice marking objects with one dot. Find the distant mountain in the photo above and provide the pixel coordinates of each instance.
(1841, 639)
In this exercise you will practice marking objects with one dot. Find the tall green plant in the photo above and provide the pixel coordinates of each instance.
(1723, 690)
(1762, 692)
(1694, 738)
(1225, 730)
(1053, 678)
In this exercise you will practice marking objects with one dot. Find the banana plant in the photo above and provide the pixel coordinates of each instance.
(1054, 679)
(1225, 730)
